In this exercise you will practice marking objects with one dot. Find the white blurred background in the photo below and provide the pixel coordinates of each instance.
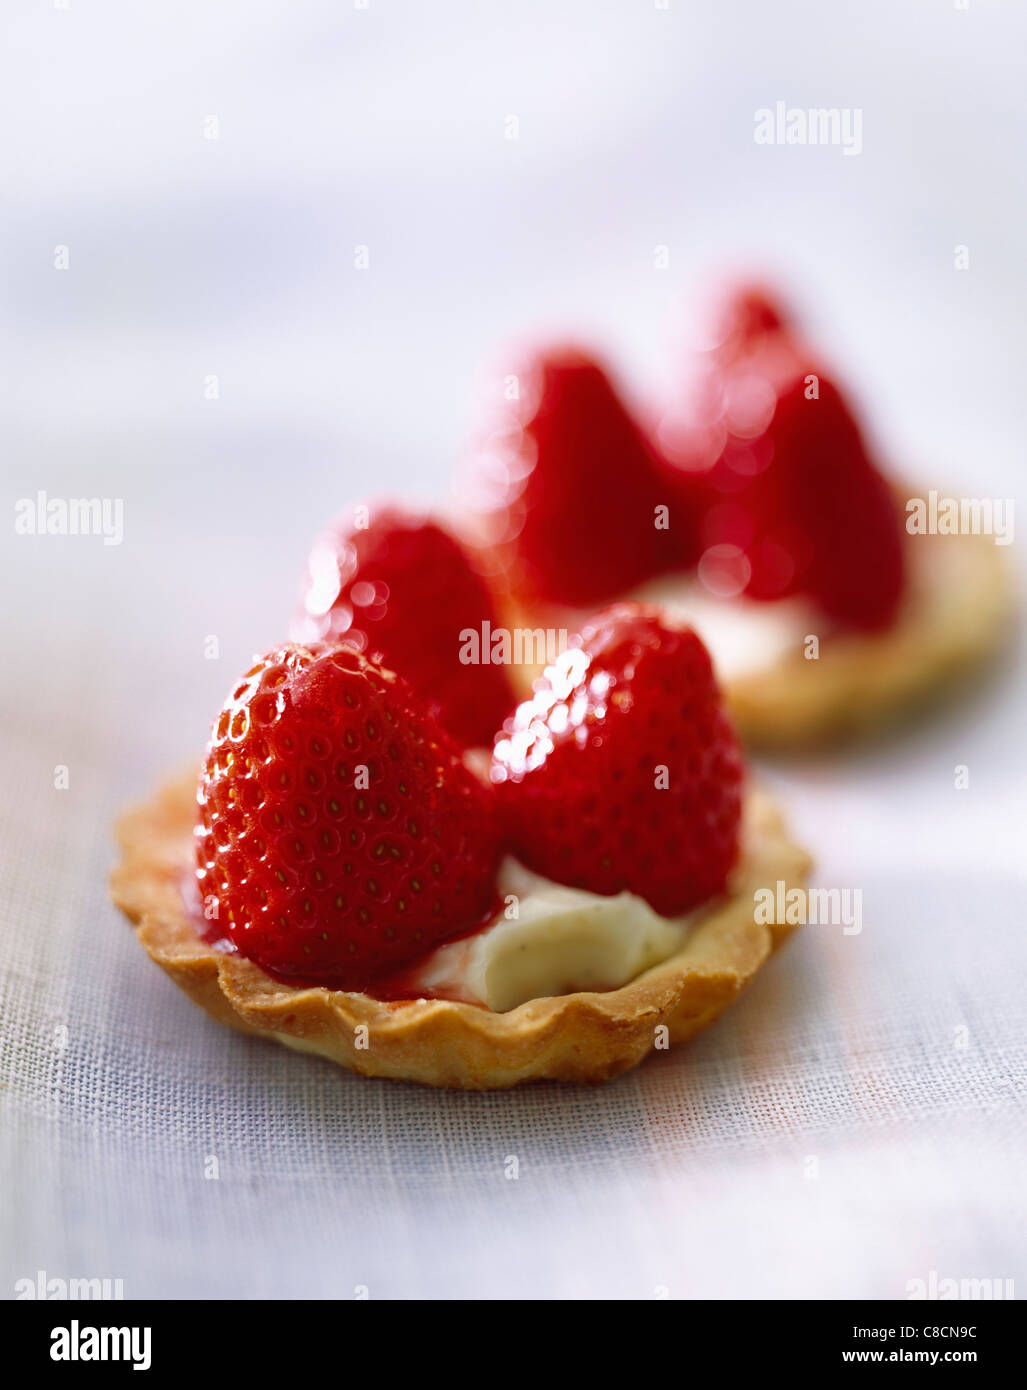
(189, 257)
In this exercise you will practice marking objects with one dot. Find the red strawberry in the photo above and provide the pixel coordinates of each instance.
(856, 566)
(809, 510)
(403, 590)
(624, 772)
(750, 318)
(581, 488)
(794, 488)
(338, 829)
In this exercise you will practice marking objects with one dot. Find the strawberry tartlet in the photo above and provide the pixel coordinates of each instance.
(361, 873)
(753, 508)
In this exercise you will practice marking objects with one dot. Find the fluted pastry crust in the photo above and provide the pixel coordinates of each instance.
(585, 1037)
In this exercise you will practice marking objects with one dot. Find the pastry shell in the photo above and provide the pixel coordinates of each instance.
(954, 617)
(583, 1037)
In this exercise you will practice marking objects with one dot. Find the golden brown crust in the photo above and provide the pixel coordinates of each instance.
(586, 1037)
(956, 612)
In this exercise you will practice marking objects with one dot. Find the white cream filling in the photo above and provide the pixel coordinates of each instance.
(549, 939)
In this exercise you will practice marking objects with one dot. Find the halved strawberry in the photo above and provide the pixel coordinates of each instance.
(338, 831)
(624, 772)
(585, 508)
(403, 590)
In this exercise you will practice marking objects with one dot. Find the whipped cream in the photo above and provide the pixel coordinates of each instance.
(549, 939)
(743, 636)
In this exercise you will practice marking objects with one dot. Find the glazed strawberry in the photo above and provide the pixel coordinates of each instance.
(624, 772)
(855, 566)
(578, 515)
(338, 831)
(403, 590)
(809, 510)
(794, 489)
